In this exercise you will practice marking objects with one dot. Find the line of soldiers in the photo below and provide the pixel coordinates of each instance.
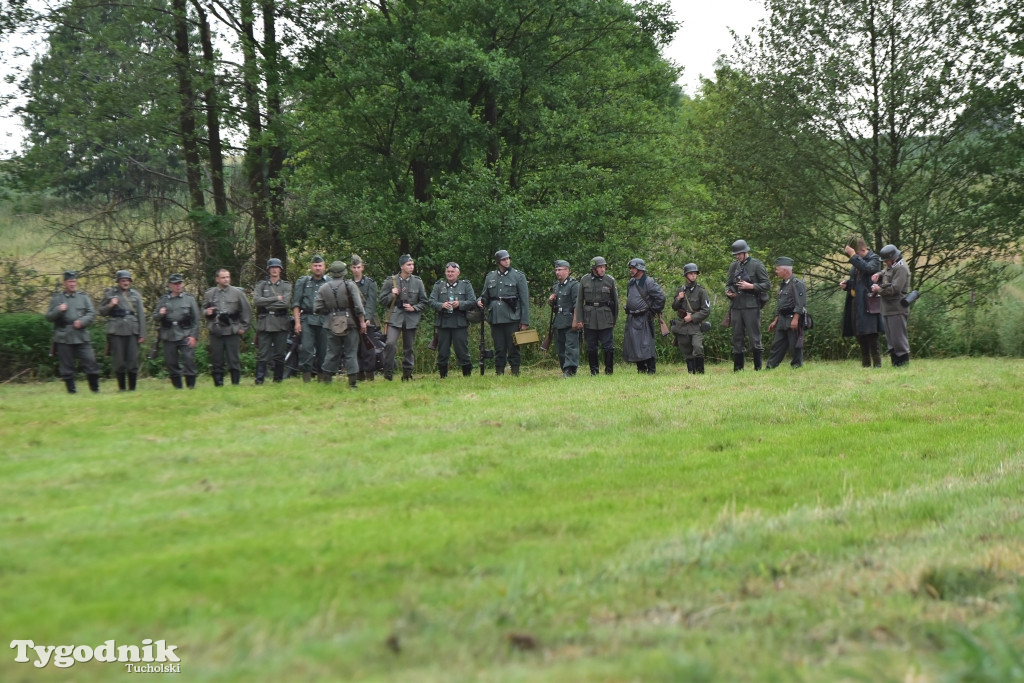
(333, 319)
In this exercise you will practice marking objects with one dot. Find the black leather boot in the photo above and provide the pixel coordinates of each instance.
(609, 362)
(70, 384)
(218, 379)
(442, 370)
(499, 370)
(190, 381)
(406, 375)
(261, 372)
(592, 358)
(278, 371)
(467, 370)
(758, 357)
(699, 365)
(737, 362)
(120, 381)
(326, 377)
(353, 382)
(691, 366)
(515, 370)
(133, 379)
(176, 381)
(236, 376)
(307, 377)
(652, 365)
(94, 383)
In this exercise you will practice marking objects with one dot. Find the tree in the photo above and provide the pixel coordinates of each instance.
(452, 131)
(888, 119)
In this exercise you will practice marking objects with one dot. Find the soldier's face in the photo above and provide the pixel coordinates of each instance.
(634, 272)
(124, 283)
(408, 267)
(275, 272)
(505, 263)
(741, 257)
(452, 273)
(176, 287)
(600, 270)
(71, 286)
(318, 268)
(357, 271)
(691, 277)
(223, 278)
(783, 272)
(561, 272)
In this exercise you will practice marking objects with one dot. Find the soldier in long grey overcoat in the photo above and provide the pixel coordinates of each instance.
(645, 299)
(862, 309)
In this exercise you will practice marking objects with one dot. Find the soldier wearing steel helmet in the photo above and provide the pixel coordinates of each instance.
(126, 328)
(563, 303)
(177, 320)
(309, 325)
(693, 307)
(506, 299)
(597, 310)
(645, 299)
(272, 298)
(370, 293)
(892, 284)
(341, 304)
(747, 287)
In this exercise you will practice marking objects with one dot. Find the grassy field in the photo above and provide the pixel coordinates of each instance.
(816, 525)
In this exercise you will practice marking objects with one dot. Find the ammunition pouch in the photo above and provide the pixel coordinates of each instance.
(117, 312)
(224, 318)
(787, 311)
(510, 301)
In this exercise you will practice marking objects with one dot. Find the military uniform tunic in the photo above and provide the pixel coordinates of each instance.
(273, 322)
(313, 344)
(402, 322)
(745, 307)
(180, 322)
(695, 302)
(341, 297)
(126, 325)
(567, 340)
(792, 304)
(452, 326)
(71, 341)
(371, 295)
(895, 283)
(230, 320)
(506, 298)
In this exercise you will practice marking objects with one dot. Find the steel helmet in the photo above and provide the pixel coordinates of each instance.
(639, 264)
(598, 261)
(274, 263)
(500, 254)
(690, 268)
(739, 247)
(122, 274)
(889, 253)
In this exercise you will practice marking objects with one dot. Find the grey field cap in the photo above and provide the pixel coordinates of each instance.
(175, 278)
(784, 261)
(561, 263)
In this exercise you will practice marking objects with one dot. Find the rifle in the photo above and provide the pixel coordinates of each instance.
(546, 344)
(155, 350)
(485, 352)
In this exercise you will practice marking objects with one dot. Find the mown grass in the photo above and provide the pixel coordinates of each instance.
(825, 524)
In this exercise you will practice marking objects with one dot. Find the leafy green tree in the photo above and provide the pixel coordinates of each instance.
(450, 131)
(891, 119)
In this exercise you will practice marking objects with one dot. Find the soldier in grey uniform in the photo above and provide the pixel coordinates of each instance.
(405, 297)
(645, 299)
(371, 294)
(892, 285)
(450, 299)
(126, 328)
(597, 310)
(341, 304)
(789, 316)
(272, 298)
(747, 288)
(228, 315)
(71, 313)
(861, 309)
(693, 307)
(308, 325)
(177, 319)
(563, 300)
(506, 299)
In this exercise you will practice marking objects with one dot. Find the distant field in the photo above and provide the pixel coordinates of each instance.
(816, 525)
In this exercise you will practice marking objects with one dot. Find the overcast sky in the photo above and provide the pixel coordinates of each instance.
(704, 35)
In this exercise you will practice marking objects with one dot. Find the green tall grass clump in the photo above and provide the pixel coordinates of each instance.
(830, 523)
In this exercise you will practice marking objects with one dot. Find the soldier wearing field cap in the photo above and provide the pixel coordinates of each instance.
(307, 324)
(341, 304)
(563, 302)
(892, 284)
(272, 298)
(506, 299)
(177, 320)
(597, 310)
(450, 299)
(126, 328)
(747, 287)
(693, 307)
(405, 297)
(371, 294)
(789, 316)
(228, 315)
(71, 313)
